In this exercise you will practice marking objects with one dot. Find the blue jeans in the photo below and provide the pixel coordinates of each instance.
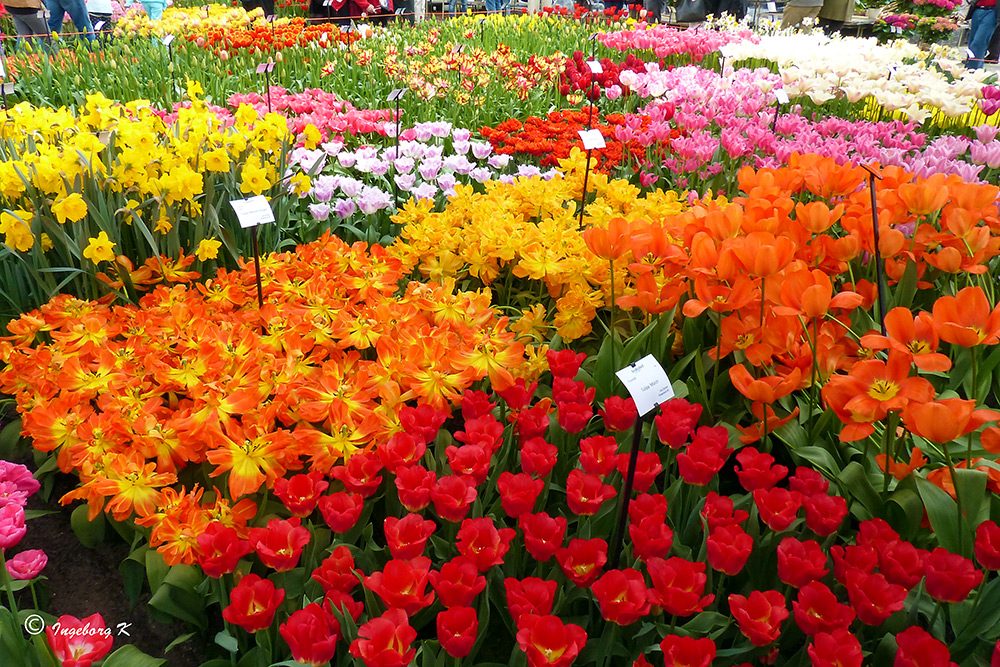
(453, 5)
(494, 5)
(154, 8)
(981, 26)
(77, 11)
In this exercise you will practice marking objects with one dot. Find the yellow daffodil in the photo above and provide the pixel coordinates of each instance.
(100, 249)
(71, 208)
(208, 249)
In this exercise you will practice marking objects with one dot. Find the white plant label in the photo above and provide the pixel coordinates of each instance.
(781, 95)
(167, 40)
(265, 67)
(726, 51)
(771, 7)
(396, 94)
(592, 139)
(253, 211)
(98, 26)
(647, 383)
(595, 67)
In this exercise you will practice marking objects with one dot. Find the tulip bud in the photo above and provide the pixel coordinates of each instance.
(224, 56)
(278, 57)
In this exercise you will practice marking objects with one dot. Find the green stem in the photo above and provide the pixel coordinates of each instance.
(887, 449)
(7, 583)
(958, 497)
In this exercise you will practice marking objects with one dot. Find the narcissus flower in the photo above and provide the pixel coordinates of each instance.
(100, 249)
(208, 249)
(71, 208)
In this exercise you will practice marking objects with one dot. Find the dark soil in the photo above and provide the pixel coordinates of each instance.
(82, 581)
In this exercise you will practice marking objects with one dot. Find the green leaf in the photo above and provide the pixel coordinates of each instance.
(942, 513)
(971, 488)
(227, 641)
(178, 596)
(10, 439)
(603, 372)
(130, 656)
(905, 511)
(90, 533)
(854, 480)
(180, 640)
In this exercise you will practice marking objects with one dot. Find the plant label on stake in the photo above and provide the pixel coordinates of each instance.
(167, 40)
(253, 212)
(771, 7)
(266, 69)
(725, 51)
(782, 98)
(648, 385)
(591, 139)
(595, 67)
(98, 26)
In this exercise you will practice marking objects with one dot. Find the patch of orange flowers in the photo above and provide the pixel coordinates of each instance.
(127, 397)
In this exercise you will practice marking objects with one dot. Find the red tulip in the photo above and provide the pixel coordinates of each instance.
(619, 413)
(220, 549)
(598, 455)
(918, 648)
(808, 482)
(704, 456)
(647, 468)
(457, 629)
(408, 536)
(360, 474)
(385, 641)
(414, 484)
(481, 542)
(816, 610)
(476, 404)
(548, 642)
(759, 616)
(902, 563)
(678, 585)
(728, 548)
(720, 511)
(824, 513)
(987, 546)
(452, 497)
(471, 461)
(458, 583)
(401, 584)
(533, 422)
(835, 649)
(757, 470)
(529, 596)
(401, 450)
(79, 642)
(538, 457)
(253, 603)
(800, 562)
(341, 510)
(676, 421)
(586, 493)
(543, 535)
(651, 538)
(422, 421)
(950, 577)
(573, 417)
(336, 572)
(518, 493)
(621, 596)
(687, 651)
(280, 545)
(311, 634)
(581, 560)
(873, 598)
(778, 508)
(301, 493)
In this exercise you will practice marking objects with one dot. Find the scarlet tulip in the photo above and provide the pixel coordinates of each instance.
(621, 596)
(301, 493)
(548, 642)
(918, 648)
(529, 596)
(253, 603)
(458, 583)
(280, 545)
(407, 537)
(385, 641)
(401, 584)
(457, 629)
(480, 541)
(687, 651)
(759, 616)
(79, 642)
(543, 534)
(311, 633)
(220, 549)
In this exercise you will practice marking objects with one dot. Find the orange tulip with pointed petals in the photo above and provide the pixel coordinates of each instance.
(763, 254)
(902, 470)
(767, 389)
(810, 294)
(966, 319)
(945, 420)
(610, 242)
(650, 297)
(915, 336)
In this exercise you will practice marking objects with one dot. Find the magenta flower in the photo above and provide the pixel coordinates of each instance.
(12, 526)
(27, 564)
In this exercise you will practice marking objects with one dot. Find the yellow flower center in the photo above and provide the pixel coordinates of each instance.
(883, 390)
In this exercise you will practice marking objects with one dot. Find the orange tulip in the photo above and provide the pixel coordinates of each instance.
(767, 389)
(910, 335)
(945, 420)
(763, 254)
(610, 243)
(650, 297)
(816, 217)
(810, 294)
(925, 196)
(966, 318)
(755, 431)
(901, 470)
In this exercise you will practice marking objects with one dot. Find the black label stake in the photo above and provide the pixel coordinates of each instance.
(879, 268)
(633, 457)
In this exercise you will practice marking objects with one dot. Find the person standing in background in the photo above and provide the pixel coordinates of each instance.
(250, 5)
(28, 20)
(77, 11)
(982, 19)
(834, 14)
(100, 11)
(796, 11)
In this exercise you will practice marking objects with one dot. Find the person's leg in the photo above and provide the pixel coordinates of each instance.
(980, 31)
(35, 27)
(56, 12)
(994, 51)
(77, 11)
